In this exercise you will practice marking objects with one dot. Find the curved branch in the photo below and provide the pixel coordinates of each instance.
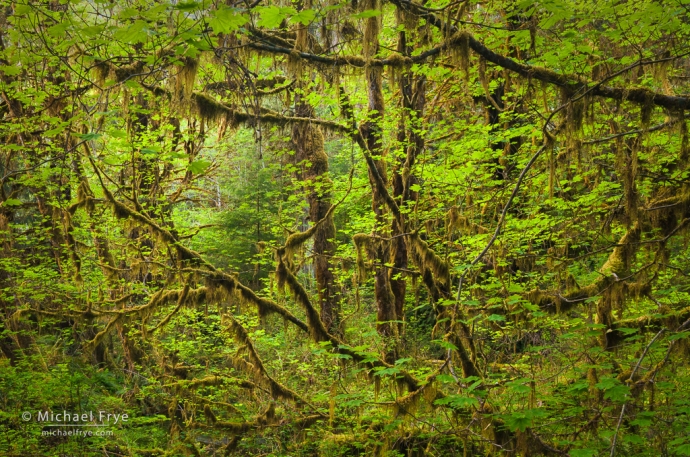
(571, 83)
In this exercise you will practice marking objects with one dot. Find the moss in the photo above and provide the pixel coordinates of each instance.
(462, 43)
(316, 326)
(295, 240)
(638, 289)
(204, 382)
(395, 60)
(186, 77)
(467, 364)
(127, 71)
(235, 428)
(98, 338)
(209, 109)
(429, 260)
(256, 367)
(101, 71)
(181, 299)
(684, 155)
(361, 242)
(456, 221)
(372, 27)
(619, 260)
(210, 417)
(217, 281)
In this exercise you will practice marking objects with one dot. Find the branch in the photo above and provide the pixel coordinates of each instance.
(620, 418)
(215, 277)
(502, 218)
(657, 127)
(393, 60)
(572, 83)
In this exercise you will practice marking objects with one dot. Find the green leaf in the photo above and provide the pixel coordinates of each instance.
(579, 387)
(58, 30)
(188, 6)
(457, 401)
(367, 14)
(613, 389)
(679, 336)
(151, 150)
(12, 202)
(112, 160)
(381, 371)
(88, 136)
(20, 9)
(583, 453)
(634, 439)
(304, 17)
(683, 449)
(521, 420)
(445, 378)
(627, 331)
(520, 386)
(617, 393)
(445, 344)
(226, 20)
(198, 166)
(10, 70)
(272, 16)
(643, 419)
(93, 30)
(135, 33)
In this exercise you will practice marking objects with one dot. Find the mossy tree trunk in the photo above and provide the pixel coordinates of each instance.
(308, 142)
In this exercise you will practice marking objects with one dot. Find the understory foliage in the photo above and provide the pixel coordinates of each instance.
(367, 227)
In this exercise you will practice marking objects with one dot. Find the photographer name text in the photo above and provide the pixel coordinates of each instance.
(65, 417)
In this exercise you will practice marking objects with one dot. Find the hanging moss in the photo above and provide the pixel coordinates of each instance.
(186, 77)
(210, 417)
(316, 326)
(469, 368)
(257, 369)
(456, 221)
(684, 155)
(182, 298)
(98, 338)
(407, 404)
(430, 260)
(295, 240)
(619, 260)
(211, 110)
(361, 241)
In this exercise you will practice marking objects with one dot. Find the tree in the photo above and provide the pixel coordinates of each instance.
(471, 219)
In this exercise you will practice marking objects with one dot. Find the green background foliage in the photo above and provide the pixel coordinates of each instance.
(390, 228)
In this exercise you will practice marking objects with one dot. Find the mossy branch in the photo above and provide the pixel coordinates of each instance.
(295, 240)
(615, 265)
(277, 389)
(215, 277)
(213, 380)
(267, 417)
(430, 260)
(571, 83)
(650, 323)
(285, 277)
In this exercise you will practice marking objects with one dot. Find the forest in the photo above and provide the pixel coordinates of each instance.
(394, 228)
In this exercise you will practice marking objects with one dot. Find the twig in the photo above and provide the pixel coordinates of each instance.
(632, 375)
(503, 216)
